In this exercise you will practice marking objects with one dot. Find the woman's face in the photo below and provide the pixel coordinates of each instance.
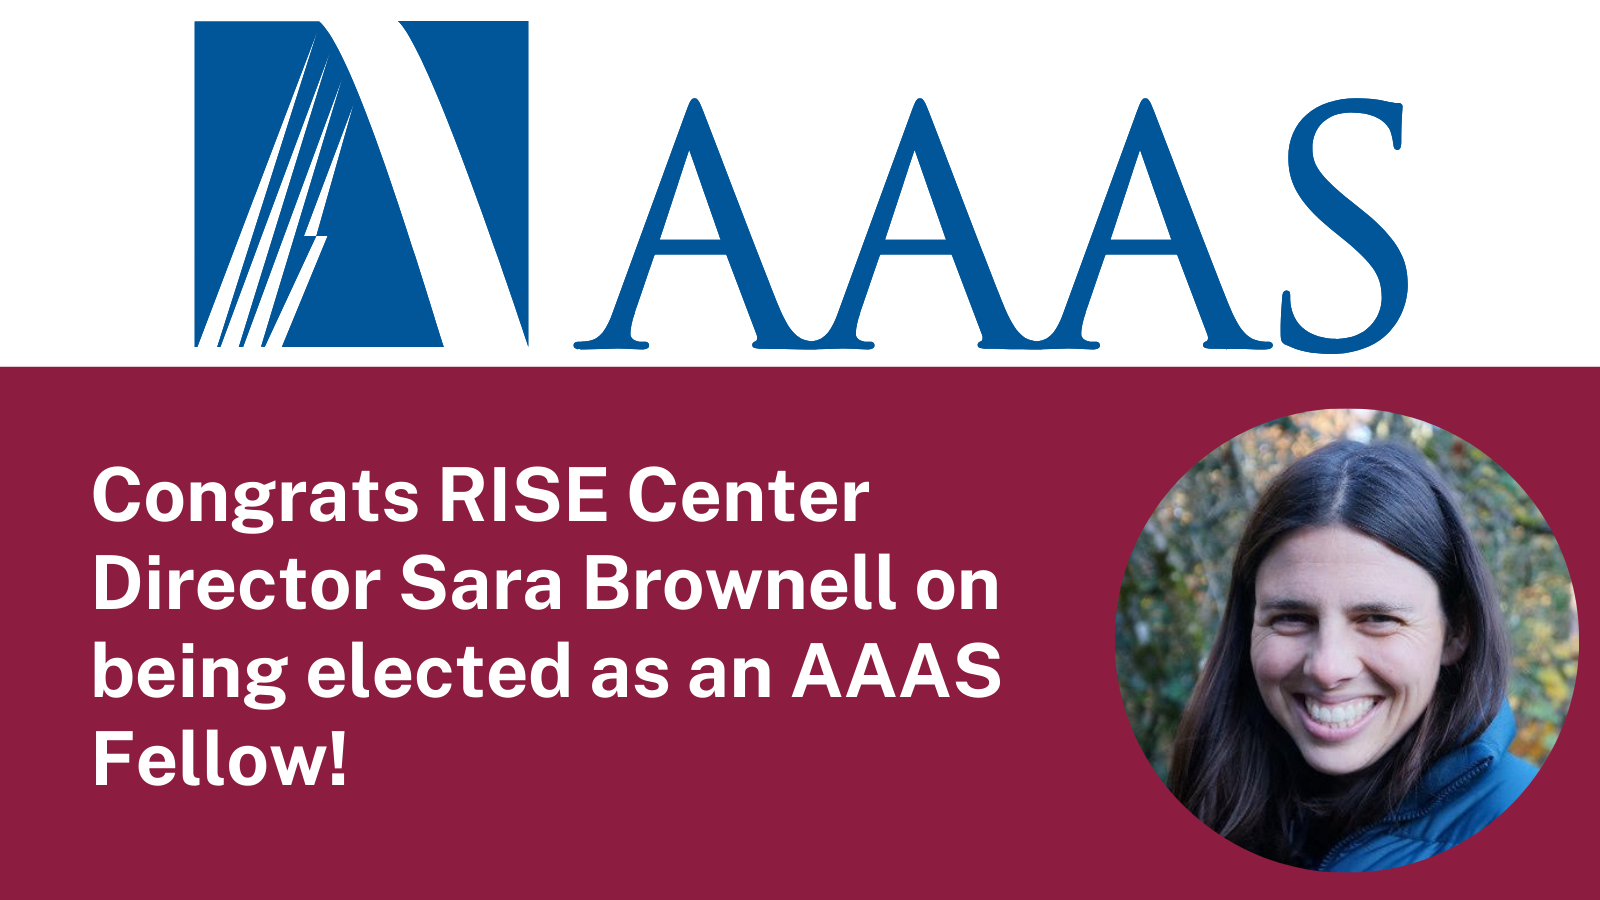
(1346, 645)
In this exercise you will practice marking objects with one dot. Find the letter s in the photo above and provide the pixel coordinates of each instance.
(434, 585)
(964, 659)
(1348, 221)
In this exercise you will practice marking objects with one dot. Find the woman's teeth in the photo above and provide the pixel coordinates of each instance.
(1339, 715)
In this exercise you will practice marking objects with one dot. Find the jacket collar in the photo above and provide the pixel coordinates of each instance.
(1460, 765)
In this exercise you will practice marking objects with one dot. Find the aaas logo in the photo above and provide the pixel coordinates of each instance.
(361, 184)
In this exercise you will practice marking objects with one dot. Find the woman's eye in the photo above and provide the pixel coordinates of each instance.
(1291, 622)
(1380, 622)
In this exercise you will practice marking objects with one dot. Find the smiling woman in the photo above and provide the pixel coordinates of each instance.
(1352, 715)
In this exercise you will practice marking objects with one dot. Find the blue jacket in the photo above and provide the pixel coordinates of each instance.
(1463, 792)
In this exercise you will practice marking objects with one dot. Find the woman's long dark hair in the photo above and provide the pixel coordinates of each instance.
(1233, 766)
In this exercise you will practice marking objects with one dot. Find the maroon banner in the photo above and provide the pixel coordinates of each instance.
(1042, 477)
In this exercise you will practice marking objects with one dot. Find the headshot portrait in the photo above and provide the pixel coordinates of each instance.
(1346, 640)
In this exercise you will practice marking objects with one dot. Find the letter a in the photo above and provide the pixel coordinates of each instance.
(1146, 140)
(960, 243)
(733, 241)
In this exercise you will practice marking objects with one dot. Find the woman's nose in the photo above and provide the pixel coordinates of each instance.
(1333, 658)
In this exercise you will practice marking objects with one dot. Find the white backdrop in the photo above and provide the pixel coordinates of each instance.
(1490, 198)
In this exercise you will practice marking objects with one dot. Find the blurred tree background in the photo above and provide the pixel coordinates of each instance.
(1176, 583)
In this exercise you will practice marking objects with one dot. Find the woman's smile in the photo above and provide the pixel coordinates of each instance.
(1337, 720)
